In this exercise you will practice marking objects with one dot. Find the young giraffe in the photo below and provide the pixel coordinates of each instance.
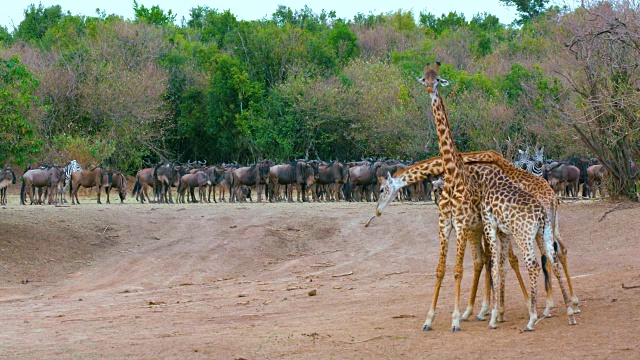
(529, 182)
(509, 209)
(459, 203)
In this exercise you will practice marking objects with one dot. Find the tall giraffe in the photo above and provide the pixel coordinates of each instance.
(534, 185)
(459, 203)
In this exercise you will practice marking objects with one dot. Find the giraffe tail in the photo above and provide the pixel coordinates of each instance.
(546, 273)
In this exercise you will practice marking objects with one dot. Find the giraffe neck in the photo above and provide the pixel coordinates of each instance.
(419, 171)
(453, 165)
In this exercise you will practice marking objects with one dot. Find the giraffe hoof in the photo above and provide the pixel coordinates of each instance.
(455, 329)
(528, 328)
(426, 328)
(492, 326)
(481, 318)
(576, 310)
(572, 320)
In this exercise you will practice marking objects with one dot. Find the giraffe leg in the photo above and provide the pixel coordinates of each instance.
(461, 244)
(505, 248)
(491, 234)
(562, 255)
(552, 256)
(546, 268)
(513, 261)
(478, 264)
(484, 310)
(533, 267)
(444, 228)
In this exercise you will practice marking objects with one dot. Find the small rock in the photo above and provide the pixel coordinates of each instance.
(313, 292)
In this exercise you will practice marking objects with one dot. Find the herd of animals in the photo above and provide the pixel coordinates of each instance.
(312, 179)
(487, 199)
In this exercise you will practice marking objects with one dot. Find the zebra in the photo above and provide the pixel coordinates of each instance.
(71, 167)
(533, 164)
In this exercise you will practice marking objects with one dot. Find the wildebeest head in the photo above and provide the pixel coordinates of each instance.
(13, 175)
(299, 169)
(123, 187)
(263, 169)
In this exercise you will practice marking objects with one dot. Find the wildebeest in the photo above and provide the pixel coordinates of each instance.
(48, 178)
(595, 175)
(362, 178)
(6, 177)
(118, 181)
(88, 179)
(563, 178)
(582, 164)
(144, 180)
(199, 179)
(216, 175)
(168, 176)
(334, 175)
(227, 180)
(256, 174)
(296, 174)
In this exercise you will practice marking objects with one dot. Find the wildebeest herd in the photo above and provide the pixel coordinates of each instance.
(311, 179)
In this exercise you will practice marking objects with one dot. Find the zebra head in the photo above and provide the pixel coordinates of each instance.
(539, 156)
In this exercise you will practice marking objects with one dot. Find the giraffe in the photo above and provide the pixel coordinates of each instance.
(459, 203)
(459, 208)
(529, 182)
(509, 209)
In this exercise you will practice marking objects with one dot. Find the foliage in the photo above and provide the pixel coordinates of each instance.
(299, 83)
(153, 15)
(528, 9)
(18, 136)
(37, 20)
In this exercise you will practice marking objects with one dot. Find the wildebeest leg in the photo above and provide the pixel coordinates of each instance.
(298, 192)
(142, 191)
(99, 190)
(74, 195)
(107, 190)
(52, 194)
(170, 195)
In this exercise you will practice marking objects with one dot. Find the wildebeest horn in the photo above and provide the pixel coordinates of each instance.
(204, 162)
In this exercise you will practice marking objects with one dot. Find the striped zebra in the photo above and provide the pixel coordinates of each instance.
(533, 164)
(71, 167)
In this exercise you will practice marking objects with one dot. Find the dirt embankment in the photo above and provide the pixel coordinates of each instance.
(230, 281)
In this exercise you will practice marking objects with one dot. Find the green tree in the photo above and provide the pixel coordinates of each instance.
(153, 15)
(528, 9)
(37, 20)
(19, 140)
(212, 25)
(343, 41)
(5, 36)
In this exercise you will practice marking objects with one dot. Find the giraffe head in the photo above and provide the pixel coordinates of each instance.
(431, 79)
(388, 190)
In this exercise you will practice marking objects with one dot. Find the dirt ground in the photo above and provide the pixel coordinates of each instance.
(232, 281)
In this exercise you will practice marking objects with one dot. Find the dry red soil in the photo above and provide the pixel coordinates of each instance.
(232, 281)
